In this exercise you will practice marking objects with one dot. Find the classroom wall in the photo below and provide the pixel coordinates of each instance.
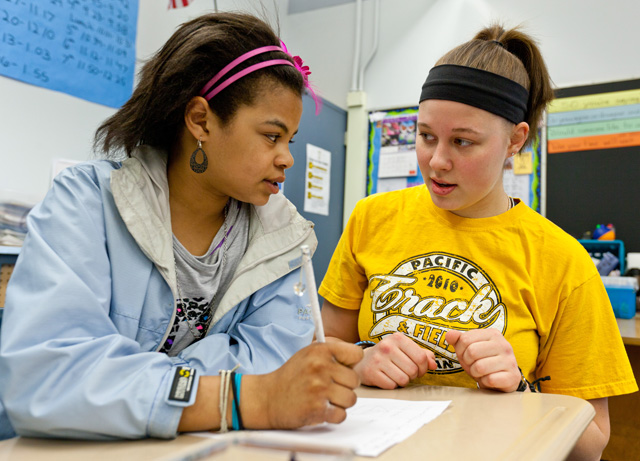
(584, 41)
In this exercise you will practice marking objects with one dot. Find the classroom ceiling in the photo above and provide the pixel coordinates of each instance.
(300, 6)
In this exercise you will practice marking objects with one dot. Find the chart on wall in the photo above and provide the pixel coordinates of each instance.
(85, 48)
(392, 163)
(594, 121)
(593, 161)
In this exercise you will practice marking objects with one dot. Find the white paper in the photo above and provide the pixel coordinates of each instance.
(397, 161)
(390, 184)
(518, 186)
(317, 180)
(377, 116)
(372, 426)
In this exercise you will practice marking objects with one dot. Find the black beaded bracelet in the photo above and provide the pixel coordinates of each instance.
(533, 386)
(365, 344)
(524, 384)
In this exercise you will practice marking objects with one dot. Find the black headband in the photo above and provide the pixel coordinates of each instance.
(479, 88)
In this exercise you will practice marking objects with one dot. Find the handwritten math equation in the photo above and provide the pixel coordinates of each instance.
(85, 48)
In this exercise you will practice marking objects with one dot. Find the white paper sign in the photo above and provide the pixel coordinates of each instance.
(397, 161)
(516, 185)
(317, 180)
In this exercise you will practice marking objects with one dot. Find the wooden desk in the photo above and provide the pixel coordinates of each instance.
(624, 410)
(630, 330)
(479, 425)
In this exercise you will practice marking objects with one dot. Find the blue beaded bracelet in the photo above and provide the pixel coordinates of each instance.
(236, 417)
(365, 344)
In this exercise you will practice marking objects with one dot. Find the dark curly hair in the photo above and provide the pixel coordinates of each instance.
(200, 48)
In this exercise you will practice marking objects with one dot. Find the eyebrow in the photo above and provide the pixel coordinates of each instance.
(455, 130)
(465, 130)
(280, 125)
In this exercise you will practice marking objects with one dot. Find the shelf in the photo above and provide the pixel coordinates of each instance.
(5, 250)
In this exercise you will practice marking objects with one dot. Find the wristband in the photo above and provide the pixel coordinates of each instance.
(236, 417)
(524, 384)
(365, 344)
(225, 384)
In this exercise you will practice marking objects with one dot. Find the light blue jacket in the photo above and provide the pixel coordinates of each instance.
(91, 301)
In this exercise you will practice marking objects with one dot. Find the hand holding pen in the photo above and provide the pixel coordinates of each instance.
(314, 386)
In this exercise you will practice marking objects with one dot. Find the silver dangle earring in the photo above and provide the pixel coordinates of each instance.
(193, 162)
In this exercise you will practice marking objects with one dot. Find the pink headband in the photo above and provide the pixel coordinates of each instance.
(210, 90)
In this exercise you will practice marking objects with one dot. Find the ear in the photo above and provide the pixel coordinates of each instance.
(198, 118)
(518, 137)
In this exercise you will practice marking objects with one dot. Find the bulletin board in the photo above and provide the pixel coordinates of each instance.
(391, 159)
(392, 162)
(593, 160)
(85, 48)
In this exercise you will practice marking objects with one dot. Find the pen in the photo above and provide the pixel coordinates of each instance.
(313, 293)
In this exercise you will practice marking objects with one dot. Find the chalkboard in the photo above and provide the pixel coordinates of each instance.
(85, 48)
(601, 185)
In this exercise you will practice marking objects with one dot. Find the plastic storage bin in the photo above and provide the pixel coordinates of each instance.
(623, 301)
(598, 247)
(622, 294)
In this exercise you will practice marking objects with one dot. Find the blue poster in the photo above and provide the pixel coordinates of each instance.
(85, 48)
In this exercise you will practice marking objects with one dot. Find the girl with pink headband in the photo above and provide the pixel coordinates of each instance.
(155, 294)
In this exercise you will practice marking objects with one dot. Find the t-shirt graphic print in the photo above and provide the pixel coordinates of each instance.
(425, 296)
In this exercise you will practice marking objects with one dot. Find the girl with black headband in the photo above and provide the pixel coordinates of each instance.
(141, 280)
(454, 282)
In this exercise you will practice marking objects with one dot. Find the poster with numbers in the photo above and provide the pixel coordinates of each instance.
(85, 48)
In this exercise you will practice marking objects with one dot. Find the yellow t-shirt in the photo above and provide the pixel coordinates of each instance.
(410, 266)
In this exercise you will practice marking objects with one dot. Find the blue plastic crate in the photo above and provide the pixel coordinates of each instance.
(615, 247)
(623, 301)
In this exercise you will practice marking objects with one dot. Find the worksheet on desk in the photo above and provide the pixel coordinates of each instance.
(372, 426)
